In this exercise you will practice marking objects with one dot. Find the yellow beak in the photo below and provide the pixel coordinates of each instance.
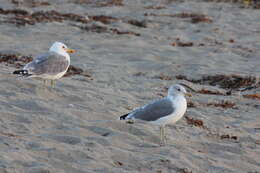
(70, 50)
(188, 94)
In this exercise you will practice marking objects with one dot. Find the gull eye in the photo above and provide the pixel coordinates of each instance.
(63, 47)
(179, 89)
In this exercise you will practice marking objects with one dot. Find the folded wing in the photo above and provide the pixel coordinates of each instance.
(152, 111)
(49, 63)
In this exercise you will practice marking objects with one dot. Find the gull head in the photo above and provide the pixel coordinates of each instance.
(176, 90)
(60, 48)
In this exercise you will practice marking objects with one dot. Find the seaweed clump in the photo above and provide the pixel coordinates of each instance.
(14, 60)
(195, 122)
(224, 81)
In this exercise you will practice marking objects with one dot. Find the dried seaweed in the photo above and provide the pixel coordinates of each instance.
(155, 7)
(72, 70)
(231, 41)
(182, 44)
(104, 19)
(257, 142)
(224, 81)
(210, 92)
(137, 23)
(103, 3)
(194, 17)
(162, 76)
(195, 122)
(227, 136)
(252, 96)
(21, 18)
(223, 104)
(14, 11)
(191, 104)
(104, 29)
(31, 3)
(183, 170)
(201, 19)
(116, 31)
(15, 60)
(137, 74)
(232, 138)
(252, 4)
(9, 134)
(118, 163)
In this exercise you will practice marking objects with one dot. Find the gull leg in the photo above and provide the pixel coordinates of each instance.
(161, 136)
(164, 135)
(52, 83)
(44, 82)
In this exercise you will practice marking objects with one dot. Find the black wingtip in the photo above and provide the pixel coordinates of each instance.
(123, 116)
(22, 72)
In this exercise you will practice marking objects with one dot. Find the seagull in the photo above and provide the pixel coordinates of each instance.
(167, 110)
(51, 65)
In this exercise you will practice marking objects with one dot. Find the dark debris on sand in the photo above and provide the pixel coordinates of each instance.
(194, 17)
(9, 134)
(155, 7)
(231, 138)
(183, 170)
(223, 104)
(227, 136)
(252, 96)
(194, 122)
(104, 29)
(137, 23)
(179, 43)
(182, 44)
(21, 17)
(118, 163)
(210, 92)
(224, 81)
(104, 19)
(96, 3)
(72, 70)
(14, 60)
(31, 4)
(163, 76)
(244, 4)
(191, 104)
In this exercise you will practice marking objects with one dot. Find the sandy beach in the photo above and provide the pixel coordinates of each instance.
(128, 52)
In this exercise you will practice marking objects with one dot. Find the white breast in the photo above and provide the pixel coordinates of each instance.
(180, 107)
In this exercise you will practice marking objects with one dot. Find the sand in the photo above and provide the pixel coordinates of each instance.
(73, 128)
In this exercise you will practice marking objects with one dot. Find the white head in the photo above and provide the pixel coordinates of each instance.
(60, 48)
(177, 89)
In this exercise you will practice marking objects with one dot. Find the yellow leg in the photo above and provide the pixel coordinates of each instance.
(162, 136)
(44, 82)
(52, 83)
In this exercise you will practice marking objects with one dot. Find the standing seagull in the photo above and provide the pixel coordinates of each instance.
(51, 65)
(167, 110)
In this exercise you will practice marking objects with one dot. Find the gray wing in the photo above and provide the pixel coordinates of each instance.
(48, 63)
(153, 111)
